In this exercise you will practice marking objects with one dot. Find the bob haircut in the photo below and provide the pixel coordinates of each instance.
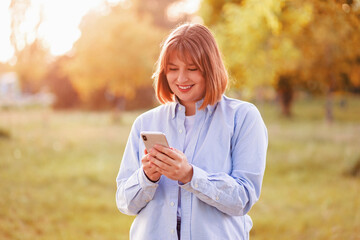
(195, 42)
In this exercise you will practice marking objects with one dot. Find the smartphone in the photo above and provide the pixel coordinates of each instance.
(152, 138)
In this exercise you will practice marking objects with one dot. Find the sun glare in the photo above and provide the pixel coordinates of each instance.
(59, 27)
(60, 21)
(5, 50)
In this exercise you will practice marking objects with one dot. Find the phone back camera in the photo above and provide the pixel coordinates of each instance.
(144, 137)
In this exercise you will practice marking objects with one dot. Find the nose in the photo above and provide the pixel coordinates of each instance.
(182, 78)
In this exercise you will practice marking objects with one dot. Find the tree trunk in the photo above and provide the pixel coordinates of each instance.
(285, 95)
(329, 116)
(329, 106)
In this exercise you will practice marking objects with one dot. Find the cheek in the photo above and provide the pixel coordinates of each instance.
(201, 82)
(203, 85)
(170, 77)
(198, 77)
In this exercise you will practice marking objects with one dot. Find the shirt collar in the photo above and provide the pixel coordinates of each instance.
(176, 104)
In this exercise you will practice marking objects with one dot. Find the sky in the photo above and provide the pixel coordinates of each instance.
(61, 20)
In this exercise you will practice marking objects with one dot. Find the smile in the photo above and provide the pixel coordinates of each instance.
(182, 87)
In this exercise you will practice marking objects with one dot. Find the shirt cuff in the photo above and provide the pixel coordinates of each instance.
(144, 181)
(198, 182)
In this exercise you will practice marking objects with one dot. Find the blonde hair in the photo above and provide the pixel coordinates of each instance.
(196, 42)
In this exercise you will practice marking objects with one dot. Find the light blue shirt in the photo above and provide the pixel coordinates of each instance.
(227, 152)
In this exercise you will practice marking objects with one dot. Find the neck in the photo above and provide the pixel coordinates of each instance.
(190, 109)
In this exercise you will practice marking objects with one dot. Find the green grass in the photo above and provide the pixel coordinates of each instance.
(58, 170)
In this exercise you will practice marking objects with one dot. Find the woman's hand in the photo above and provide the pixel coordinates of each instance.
(171, 162)
(150, 169)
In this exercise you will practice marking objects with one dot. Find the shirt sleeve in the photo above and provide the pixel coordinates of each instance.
(134, 189)
(236, 193)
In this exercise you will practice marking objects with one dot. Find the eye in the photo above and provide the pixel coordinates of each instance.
(192, 69)
(173, 69)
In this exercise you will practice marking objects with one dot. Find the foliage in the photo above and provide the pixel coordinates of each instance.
(60, 85)
(263, 40)
(115, 53)
(5, 67)
(18, 15)
(157, 10)
(31, 57)
(4, 134)
(32, 66)
(328, 45)
(313, 44)
(354, 170)
(57, 175)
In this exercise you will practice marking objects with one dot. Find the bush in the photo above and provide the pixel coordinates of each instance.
(4, 133)
(354, 170)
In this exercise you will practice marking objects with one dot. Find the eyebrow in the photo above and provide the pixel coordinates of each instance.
(190, 65)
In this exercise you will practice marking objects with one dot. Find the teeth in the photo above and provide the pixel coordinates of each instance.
(184, 87)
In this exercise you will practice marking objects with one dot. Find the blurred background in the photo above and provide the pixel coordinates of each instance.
(75, 74)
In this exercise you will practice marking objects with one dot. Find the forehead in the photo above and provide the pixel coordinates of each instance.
(182, 56)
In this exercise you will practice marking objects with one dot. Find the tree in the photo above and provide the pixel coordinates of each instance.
(60, 85)
(114, 55)
(329, 48)
(283, 43)
(158, 12)
(258, 50)
(5, 67)
(31, 66)
(31, 57)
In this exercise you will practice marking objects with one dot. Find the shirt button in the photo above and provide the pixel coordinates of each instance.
(172, 231)
(180, 108)
(196, 185)
(217, 198)
(172, 204)
(180, 130)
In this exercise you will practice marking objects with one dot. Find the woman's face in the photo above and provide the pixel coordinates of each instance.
(185, 80)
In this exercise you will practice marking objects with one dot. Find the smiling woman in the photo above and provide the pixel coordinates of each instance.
(204, 184)
(186, 81)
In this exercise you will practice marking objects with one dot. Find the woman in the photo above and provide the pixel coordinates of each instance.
(204, 185)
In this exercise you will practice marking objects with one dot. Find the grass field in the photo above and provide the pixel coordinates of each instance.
(58, 170)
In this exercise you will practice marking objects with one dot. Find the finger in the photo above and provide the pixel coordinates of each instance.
(151, 171)
(150, 168)
(146, 162)
(145, 151)
(179, 155)
(170, 152)
(161, 156)
(145, 159)
(160, 165)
